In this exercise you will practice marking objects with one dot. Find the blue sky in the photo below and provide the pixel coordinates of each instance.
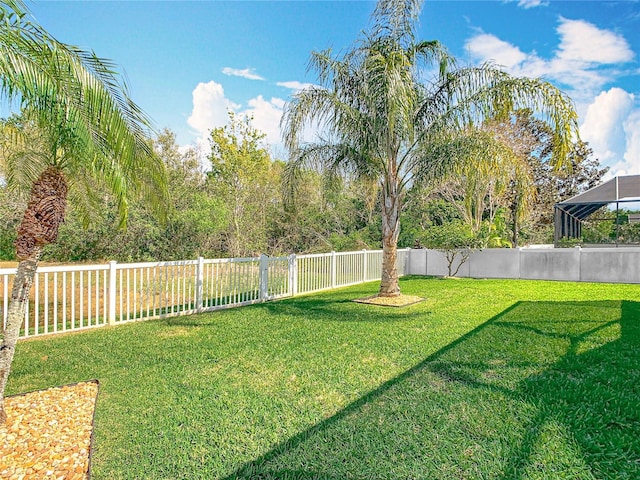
(188, 62)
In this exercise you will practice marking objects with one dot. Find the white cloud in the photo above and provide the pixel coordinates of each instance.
(630, 165)
(586, 60)
(294, 85)
(612, 128)
(266, 117)
(210, 107)
(583, 42)
(247, 73)
(210, 110)
(489, 47)
(526, 4)
(632, 129)
(582, 61)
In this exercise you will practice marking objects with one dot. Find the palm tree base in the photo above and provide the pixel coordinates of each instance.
(399, 300)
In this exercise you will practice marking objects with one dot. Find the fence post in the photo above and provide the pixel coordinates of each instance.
(293, 275)
(112, 293)
(333, 269)
(580, 261)
(199, 284)
(264, 277)
(365, 273)
(405, 261)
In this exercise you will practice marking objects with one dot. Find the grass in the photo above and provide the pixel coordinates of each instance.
(485, 379)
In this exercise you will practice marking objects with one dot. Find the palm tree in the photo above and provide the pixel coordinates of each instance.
(79, 132)
(382, 120)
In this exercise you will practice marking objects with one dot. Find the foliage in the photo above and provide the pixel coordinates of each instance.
(455, 239)
(479, 186)
(565, 242)
(531, 142)
(423, 210)
(328, 213)
(523, 188)
(192, 227)
(384, 122)
(197, 216)
(75, 116)
(244, 178)
(629, 233)
(494, 234)
(609, 227)
(554, 186)
(11, 209)
(485, 379)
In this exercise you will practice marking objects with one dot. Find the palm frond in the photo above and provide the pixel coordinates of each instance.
(82, 106)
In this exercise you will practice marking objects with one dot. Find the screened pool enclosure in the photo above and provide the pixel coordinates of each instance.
(616, 194)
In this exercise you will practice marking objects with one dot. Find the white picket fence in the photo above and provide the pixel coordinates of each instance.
(75, 297)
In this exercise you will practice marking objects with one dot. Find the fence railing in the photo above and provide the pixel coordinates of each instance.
(75, 297)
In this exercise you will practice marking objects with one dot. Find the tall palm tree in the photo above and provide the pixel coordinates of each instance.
(399, 111)
(90, 135)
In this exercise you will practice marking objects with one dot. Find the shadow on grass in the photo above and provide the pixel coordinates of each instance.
(542, 390)
(344, 310)
(332, 307)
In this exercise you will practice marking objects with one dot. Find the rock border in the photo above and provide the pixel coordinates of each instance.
(59, 409)
(397, 302)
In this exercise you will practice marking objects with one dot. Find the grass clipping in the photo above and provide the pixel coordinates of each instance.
(398, 301)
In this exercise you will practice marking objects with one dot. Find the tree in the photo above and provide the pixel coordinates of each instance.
(478, 186)
(11, 207)
(80, 129)
(455, 240)
(381, 122)
(325, 213)
(196, 217)
(191, 228)
(552, 186)
(529, 140)
(242, 176)
(490, 185)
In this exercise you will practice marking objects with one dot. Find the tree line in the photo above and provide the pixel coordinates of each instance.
(230, 204)
(235, 203)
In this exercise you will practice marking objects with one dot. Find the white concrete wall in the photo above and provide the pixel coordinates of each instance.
(495, 263)
(417, 261)
(436, 263)
(619, 265)
(550, 264)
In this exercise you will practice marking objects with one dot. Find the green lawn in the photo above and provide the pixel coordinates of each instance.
(486, 379)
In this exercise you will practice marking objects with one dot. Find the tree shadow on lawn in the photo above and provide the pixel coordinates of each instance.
(345, 310)
(541, 390)
(314, 308)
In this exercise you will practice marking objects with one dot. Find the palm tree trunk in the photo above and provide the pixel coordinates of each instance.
(15, 315)
(42, 218)
(389, 284)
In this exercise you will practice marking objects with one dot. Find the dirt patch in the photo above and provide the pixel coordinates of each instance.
(48, 433)
(399, 301)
